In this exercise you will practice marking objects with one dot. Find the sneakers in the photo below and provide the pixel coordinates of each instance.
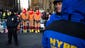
(36, 31)
(31, 30)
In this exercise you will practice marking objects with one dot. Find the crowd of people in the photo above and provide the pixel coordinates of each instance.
(23, 22)
(30, 20)
(33, 18)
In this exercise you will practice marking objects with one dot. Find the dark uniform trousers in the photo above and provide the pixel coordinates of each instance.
(12, 32)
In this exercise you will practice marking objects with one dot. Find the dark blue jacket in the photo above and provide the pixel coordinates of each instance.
(55, 17)
(52, 18)
(12, 21)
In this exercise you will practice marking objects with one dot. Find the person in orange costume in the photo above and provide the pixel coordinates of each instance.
(24, 18)
(37, 18)
(31, 20)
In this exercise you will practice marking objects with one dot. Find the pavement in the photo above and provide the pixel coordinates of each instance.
(26, 40)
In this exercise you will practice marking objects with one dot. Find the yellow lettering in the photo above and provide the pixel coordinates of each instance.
(66, 45)
(59, 43)
(53, 47)
(52, 41)
(72, 46)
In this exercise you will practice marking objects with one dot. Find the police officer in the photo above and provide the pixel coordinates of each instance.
(54, 17)
(57, 29)
(57, 14)
(12, 23)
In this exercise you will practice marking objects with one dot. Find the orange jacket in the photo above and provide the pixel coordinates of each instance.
(24, 16)
(31, 15)
(37, 15)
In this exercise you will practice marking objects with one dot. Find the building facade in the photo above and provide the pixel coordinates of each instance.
(7, 4)
(43, 4)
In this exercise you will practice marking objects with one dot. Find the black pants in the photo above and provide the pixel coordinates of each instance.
(12, 32)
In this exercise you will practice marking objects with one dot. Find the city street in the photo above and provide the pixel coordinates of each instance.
(42, 23)
(28, 40)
